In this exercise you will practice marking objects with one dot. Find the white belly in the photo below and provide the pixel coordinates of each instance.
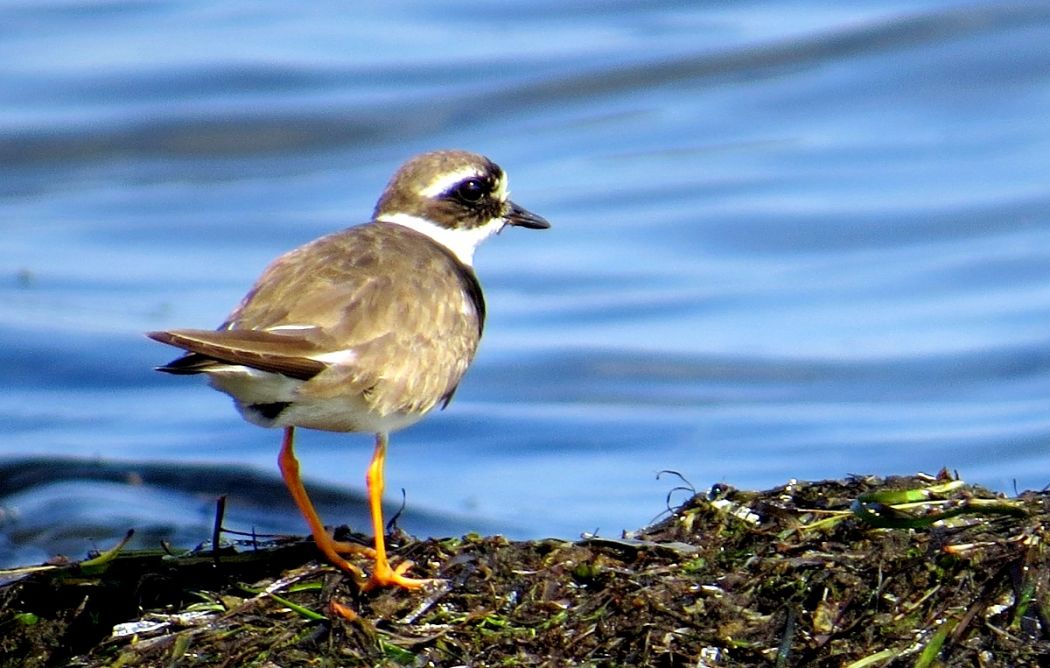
(250, 387)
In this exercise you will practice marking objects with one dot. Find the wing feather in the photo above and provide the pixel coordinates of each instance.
(403, 333)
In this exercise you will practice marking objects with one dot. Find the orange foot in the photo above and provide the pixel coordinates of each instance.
(385, 576)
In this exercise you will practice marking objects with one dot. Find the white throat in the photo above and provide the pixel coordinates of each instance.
(461, 241)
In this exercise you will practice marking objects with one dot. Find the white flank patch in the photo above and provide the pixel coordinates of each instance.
(337, 357)
(252, 386)
(461, 241)
(442, 183)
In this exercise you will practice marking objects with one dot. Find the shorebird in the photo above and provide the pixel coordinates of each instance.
(363, 330)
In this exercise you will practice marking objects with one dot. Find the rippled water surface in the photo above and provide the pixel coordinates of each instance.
(789, 240)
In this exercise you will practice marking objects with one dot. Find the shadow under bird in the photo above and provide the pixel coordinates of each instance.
(363, 330)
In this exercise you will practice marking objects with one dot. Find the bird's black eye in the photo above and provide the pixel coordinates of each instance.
(471, 191)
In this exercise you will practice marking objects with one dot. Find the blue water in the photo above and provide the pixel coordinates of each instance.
(790, 240)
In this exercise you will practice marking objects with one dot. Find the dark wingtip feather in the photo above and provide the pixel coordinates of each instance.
(257, 349)
(187, 364)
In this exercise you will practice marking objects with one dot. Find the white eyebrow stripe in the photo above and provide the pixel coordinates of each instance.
(445, 181)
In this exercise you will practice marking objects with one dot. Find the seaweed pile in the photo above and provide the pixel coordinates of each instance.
(910, 571)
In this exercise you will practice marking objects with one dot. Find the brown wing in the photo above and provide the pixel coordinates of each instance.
(399, 333)
(257, 349)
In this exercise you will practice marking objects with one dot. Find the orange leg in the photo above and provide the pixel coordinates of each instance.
(290, 472)
(383, 575)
